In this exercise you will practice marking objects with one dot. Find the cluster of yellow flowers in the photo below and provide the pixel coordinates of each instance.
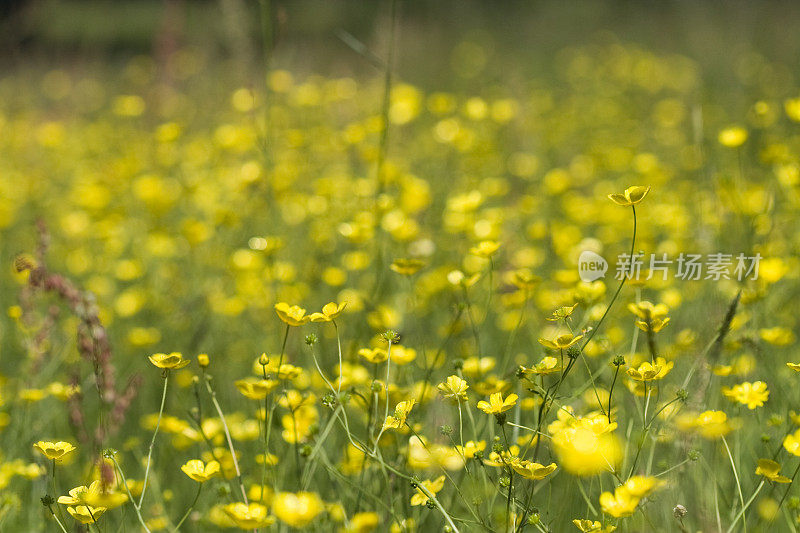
(400, 340)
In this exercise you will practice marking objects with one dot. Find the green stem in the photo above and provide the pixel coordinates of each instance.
(227, 431)
(739, 488)
(744, 508)
(619, 289)
(57, 520)
(611, 391)
(130, 496)
(153, 440)
(189, 510)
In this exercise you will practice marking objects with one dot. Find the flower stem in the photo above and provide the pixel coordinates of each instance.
(128, 490)
(189, 510)
(56, 519)
(619, 288)
(153, 440)
(227, 435)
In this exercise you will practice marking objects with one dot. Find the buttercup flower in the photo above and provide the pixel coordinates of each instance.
(256, 389)
(329, 312)
(171, 361)
(561, 342)
(485, 249)
(54, 450)
(457, 277)
(531, 470)
(547, 365)
(200, 472)
(297, 510)
(454, 388)
(86, 514)
(95, 495)
(401, 411)
(252, 516)
(587, 526)
(792, 443)
(642, 486)
(620, 503)
(750, 394)
(407, 267)
(292, 315)
(631, 196)
(732, 137)
(470, 448)
(771, 470)
(648, 371)
(562, 313)
(433, 487)
(374, 355)
(713, 424)
(497, 404)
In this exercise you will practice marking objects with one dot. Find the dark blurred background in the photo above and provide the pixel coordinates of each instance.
(307, 33)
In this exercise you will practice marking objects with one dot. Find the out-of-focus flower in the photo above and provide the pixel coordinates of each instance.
(631, 196)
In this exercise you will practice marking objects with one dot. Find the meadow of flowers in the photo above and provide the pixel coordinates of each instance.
(353, 303)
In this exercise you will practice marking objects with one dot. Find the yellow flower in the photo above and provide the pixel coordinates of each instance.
(620, 503)
(713, 424)
(750, 394)
(433, 487)
(407, 267)
(485, 249)
(401, 411)
(105, 498)
(330, 311)
(363, 522)
(95, 495)
(293, 316)
(631, 196)
(203, 360)
(771, 470)
(454, 388)
(562, 313)
(373, 355)
(792, 443)
(651, 317)
(531, 470)
(641, 486)
(584, 450)
(497, 404)
(794, 366)
(54, 450)
(777, 336)
(85, 514)
(470, 448)
(401, 355)
(587, 526)
(732, 136)
(523, 279)
(474, 366)
(254, 388)
(648, 371)
(200, 472)
(297, 510)
(561, 342)
(457, 277)
(171, 361)
(654, 324)
(252, 516)
(547, 365)
(76, 496)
